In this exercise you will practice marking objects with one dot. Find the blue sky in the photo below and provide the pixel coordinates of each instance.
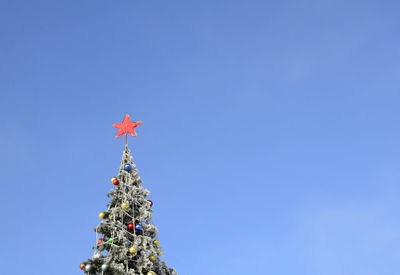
(270, 136)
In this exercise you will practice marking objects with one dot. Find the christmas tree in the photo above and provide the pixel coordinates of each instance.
(127, 240)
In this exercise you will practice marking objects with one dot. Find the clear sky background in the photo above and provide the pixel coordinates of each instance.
(270, 137)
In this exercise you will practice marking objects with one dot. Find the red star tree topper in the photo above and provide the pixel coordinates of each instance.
(125, 127)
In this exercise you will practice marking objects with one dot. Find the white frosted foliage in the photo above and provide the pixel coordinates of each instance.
(113, 250)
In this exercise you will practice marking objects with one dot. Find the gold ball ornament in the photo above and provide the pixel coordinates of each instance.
(151, 272)
(156, 242)
(132, 249)
(125, 206)
(112, 179)
(102, 215)
(152, 258)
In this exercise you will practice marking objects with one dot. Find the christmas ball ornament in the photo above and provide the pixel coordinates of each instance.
(115, 181)
(88, 267)
(110, 240)
(125, 206)
(82, 266)
(151, 203)
(105, 267)
(99, 241)
(102, 215)
(132, 249)
(156, 242)
(152, 258)
(127, 167)
(113, 178)
(130, 227)
(138, 227)
(151, 272)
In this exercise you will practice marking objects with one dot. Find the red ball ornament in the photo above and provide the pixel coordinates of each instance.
(130, 226)
(82, 266)
(115, 182)
(151, 203)
(99, 241)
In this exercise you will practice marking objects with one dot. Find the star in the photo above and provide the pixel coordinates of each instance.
(126, 126)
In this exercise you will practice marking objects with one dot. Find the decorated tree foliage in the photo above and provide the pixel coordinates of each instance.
(127, 241)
